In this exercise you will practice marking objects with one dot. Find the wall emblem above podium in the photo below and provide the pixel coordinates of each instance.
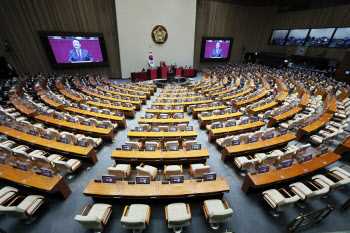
(159, 34)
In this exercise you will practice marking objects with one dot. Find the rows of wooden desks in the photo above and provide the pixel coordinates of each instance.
(146, 93)
(137, 104)
(32, 180)
(60, 88)
(151, 90)
(121, 121)
(203, 121)
(154, 87)
(19, 106)
(249, 101)
(185, 104)
(143, 98)
(263, 108)
(167, 136)
(313, 126)
(259, 146)
(344, 146)
(179, 93)
(50, 145)
(274, 176)
(106, 134)
(164, 111)
(160, 156)
(157, 190)
(228, 98)
(169, 121)
(129, 112)
(233, 130)
(197, 111)
(283, 117)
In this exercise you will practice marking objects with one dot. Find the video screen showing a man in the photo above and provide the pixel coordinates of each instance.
(78, 54)
(217, 52)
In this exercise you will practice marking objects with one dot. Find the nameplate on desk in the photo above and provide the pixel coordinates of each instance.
(131, 182)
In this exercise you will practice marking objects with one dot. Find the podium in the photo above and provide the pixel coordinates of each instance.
(171, 76)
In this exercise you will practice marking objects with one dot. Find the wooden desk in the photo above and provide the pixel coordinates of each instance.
(185, 104)
(19, 106)
(154, 87)
(151, 90)
(256, 111)
(143, 98)
(105, 134)
(178, 93)
(137, 104)
(197, 111)
(52, 103)
(157, 190)
(174, 98)
(221, 93)
(343, 147)
(61, 89)
(50, 145)
(169, 121)
(237, 95)
(249, 101)
(283, 117)
(32, 180)
(167, 136)
(115, 119)
(147, 93)
(130, 112)
(161, 157)
(161, 111)
(238, 129)
(213, 89)
(262, 145)
(314, 126)
(203, 121)
(286, 174)
(281, 98)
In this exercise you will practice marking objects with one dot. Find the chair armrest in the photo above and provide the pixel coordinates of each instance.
(189, 211)
(181, 169)
(26, 211)
(106, 216)
(18, 197)
(164, 169)
(82, 213)
(249, 156)
(285, 192)
(148, 215)
(10, 191)
(166, 214)
(125, 212)
(272, 200)
(71, 167)
(226, 204)
(206, 211)
(312, 184)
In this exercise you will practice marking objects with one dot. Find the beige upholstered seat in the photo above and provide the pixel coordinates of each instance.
(23, 210)
(69, 166)
(47, 160)
(198, 169)
(172, 170)
(188, 143)
(146, 170)
(245, 163)
(121, 171)
(277, 201)
(134, 145)
(227, 141)
(155, 144)
(323, 180)
(7, 193)
(24, 155)
(136, 217)
(305, 193)
(171, 143)
(217, 211)
(181, 127)
(93, 142)
(268, 158)
(178, 215)
(96, 218)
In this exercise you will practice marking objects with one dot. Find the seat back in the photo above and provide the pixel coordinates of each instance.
(42, 159)
(155, 144)
(62, 166)
(171, 143)
(227, 141)
(187, 144)
(243, 138)
(134, 145)
(13, 212)
(90, 222)
(21, 154)
(145, 127)
(6, 149)
(93, 122)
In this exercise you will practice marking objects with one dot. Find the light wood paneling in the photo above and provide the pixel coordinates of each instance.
(20, 22)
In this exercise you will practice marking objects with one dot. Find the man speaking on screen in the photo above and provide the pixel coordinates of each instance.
(217, 52)
(79, 55)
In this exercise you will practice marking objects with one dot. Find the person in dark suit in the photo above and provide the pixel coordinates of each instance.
(79, 55)
(217, 52)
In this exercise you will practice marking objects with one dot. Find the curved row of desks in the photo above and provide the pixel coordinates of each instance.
(203, 121)
(169, 121)
(313, 126)
(167, 136)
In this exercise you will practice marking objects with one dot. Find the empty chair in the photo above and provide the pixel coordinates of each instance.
(171, 143)
(6, 194)
(308, 191)
(265, 115)
(172, 170)
(230, 122)
(190, 108)
(228, 110)
(188, 143)
(243, 138)
(155, 144)
(24, 155)
(268, 158)
(67, 166)
(109, 124)
(245, 163)
(284, 154)
(73, 138)
(198, 169)
(96, 218)
(136, 217)
(47, 160)
(25, 210)
(121, 171)
(258, 134)
(335, 180)
(134, 145)
(213, 125)
(145, 127)
(279, 202)
(243, 120)
(163, 128)
(93, 142)
(146, 170)
(298, 148)
(55, 134)
(181, 127)
(227, 141)
(178, 215)
(216, 112)
(216, 212)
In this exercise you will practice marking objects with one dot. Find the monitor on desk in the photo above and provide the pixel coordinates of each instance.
(119, 114)
(209, 176)
(287, 163)
(176, 179)
(207, 114)
(139, 129)
(108, 179)
(58, 117)
(173, 148)
(164, 117)
(199, 106)
(222, 113)
(231, 124)
(104, 101)
(126, 148)
(220, 104)
(172, 129)
(307, 157)
(210, 105)
(94, 110)
(18, 128)
(158, 101)
(87, 123)
(47, 172)
(219, 126)
(196, 147)
(178, 107)
(47, 136)
(22, 166)
(263, 169)
(236, 142)
(82, 143)
(180, 116)
(255, 119)
(150, 148)
(169, 101)
(64, 140)
(207, 98)
(166, 108)
(106, 112)
(189, 128)
(71, 120)
(128, 105)
(253, 139)
(154, 107)
(33, 132)
(245, 121)
(234, 110)
(269, 136)
(2, 160)
(103, 126)
(324, 150)
(143, 180)
(283, 131)
(155, 129)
